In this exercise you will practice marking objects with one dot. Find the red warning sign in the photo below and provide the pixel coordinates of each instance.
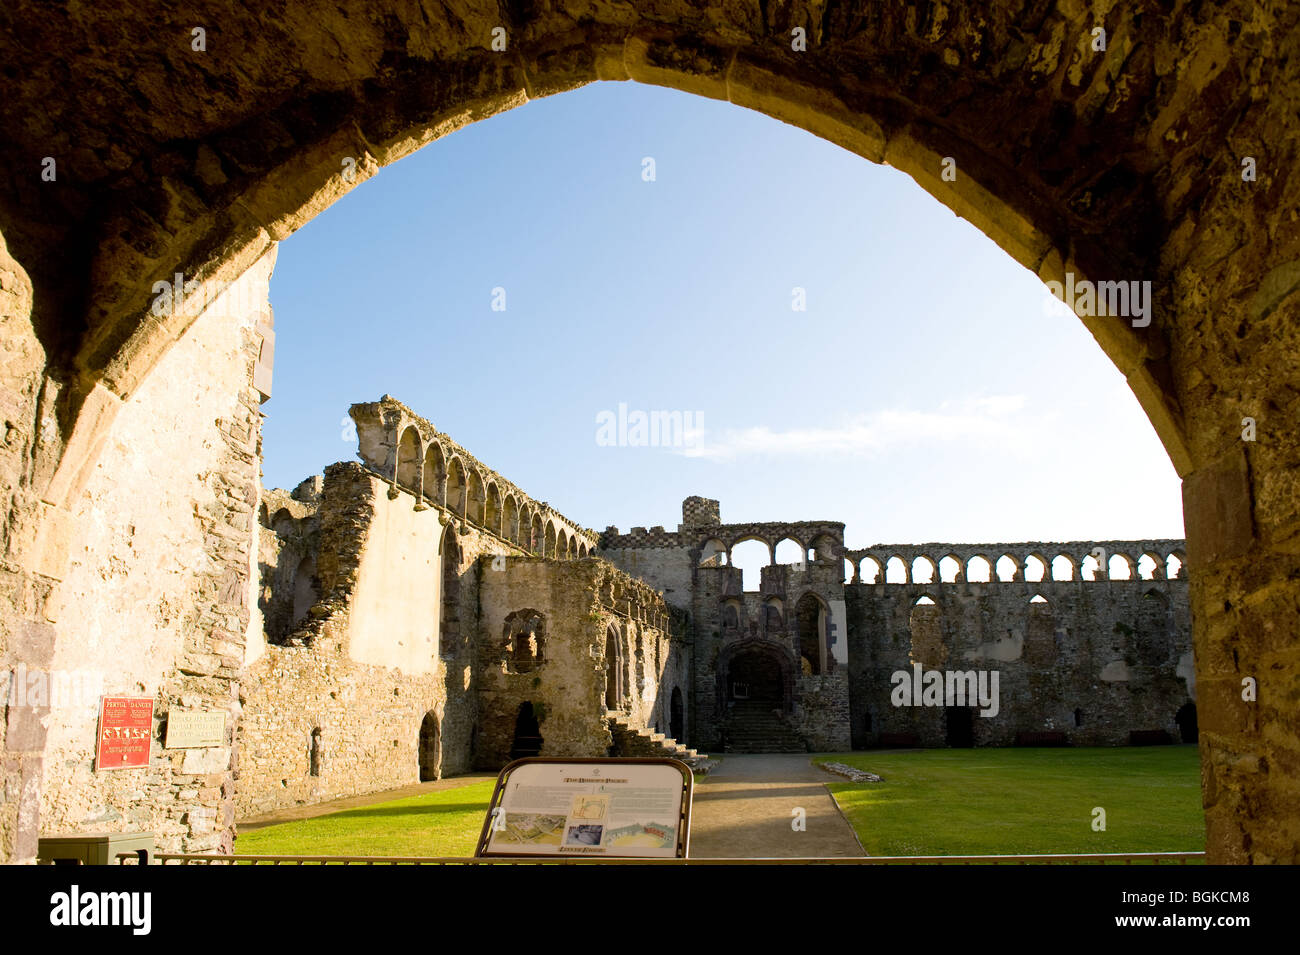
(125, 732)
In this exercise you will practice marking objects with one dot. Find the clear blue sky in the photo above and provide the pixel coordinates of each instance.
(925, 394)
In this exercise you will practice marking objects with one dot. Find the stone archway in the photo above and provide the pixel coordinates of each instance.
(757, 671)
(203, 169)
(430, 748)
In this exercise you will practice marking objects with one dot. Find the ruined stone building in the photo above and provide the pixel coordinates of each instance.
(424, 616)
(129, 486)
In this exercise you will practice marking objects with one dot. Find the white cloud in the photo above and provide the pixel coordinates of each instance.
(995, 420)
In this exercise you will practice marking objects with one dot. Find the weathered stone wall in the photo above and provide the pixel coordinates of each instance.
(1096, 661)
(821, 712)
(155, 597)
(368, 662)
(26, 637)
(587, 609)
(693, 567)
(157, 175)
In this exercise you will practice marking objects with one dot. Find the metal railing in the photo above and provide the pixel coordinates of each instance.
(1114, 858)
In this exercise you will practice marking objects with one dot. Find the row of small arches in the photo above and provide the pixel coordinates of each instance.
(429, 474)
(1036, 568)
(716, 552)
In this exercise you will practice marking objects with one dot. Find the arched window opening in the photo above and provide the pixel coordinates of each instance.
(713, 553)
(434, 479)
(314, 753)
(811, 618)
(449, 613)
(476, 499)
(848, 570)
(408, 460)
(923, 571)
(869, 571)
(456, 487)
(773, 622)
(790, 552)
(1062, 567)
(524, 641)
(1035, 569)
(492, 516)
(639, 657)
(925, 625)
(825, 548)
(731, 616)
(950, 569)
(510, 530)
(979, 570)
(895, 571)
(1091, 568)
(548, 542)
(1040, 634)
(1008, 569)
(1174, 567)
(306, 591)
(613, 670)
(751, 556)
(1148, 567)
(1120, 567)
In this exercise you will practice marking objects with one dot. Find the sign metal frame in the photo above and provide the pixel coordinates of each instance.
(683, 835)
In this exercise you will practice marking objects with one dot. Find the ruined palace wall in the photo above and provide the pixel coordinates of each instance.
(567, 686)
(369, 662)
(1105, 648)
(581, 604)
(394, 620)
(156, 595)
(26, 640)
(666, 568)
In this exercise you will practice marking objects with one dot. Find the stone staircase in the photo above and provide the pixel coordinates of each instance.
(633, 741)
(757, 727)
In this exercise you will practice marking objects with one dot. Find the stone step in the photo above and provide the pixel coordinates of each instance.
(636, 741)
(759, 728)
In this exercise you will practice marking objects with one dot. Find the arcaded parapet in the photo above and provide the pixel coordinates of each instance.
(561, 643)
(410, 453)
(669, 559)
(1153, 559)
(1079, 662)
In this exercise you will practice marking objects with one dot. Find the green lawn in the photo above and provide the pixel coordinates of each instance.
(445, 823)
(1023, 801)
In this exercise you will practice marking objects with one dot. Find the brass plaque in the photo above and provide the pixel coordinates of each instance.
(195, 729)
